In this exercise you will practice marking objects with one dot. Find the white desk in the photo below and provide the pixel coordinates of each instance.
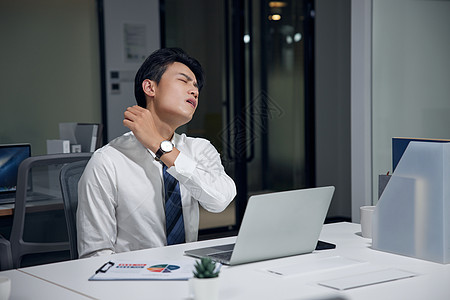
(24, 286)
(249, 281)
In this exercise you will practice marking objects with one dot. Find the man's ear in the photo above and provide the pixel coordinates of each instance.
(149, 87)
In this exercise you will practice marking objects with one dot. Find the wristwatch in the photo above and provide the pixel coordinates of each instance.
(164, 147)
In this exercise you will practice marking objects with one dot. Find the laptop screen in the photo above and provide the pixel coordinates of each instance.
(10, 158)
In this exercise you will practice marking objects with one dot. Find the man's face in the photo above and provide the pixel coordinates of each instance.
(176, 95)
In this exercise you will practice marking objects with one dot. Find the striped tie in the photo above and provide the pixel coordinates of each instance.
(174, 211)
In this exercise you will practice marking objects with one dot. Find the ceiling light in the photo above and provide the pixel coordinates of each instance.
(277, 4)
(275, 17)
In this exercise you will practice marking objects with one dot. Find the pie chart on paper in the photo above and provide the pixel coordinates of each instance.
(163, 268)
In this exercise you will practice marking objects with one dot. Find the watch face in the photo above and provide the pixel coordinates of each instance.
(166, 146)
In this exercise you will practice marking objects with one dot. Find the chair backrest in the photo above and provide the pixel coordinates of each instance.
(69, 177)
(41, 172)
(5, 254)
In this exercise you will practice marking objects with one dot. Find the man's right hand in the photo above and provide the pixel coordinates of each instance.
(140, 121)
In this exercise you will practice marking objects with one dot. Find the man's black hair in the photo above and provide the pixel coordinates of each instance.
(156, 64)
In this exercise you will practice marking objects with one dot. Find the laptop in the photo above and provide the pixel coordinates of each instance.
(11, 156)
(275, 225)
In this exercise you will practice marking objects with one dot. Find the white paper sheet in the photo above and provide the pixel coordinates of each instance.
(366, 279)
(138, 270)
(322, 264)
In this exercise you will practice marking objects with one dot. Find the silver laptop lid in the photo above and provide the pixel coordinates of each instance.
(281, 224)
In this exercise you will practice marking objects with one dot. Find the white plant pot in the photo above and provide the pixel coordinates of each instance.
(204, 288)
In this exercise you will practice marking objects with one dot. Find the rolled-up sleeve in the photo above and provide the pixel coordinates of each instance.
(200, 170)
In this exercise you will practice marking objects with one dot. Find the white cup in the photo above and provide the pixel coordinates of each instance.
(366, 220)
(5, 288)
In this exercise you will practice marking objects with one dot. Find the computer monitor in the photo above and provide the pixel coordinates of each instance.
(10, 158)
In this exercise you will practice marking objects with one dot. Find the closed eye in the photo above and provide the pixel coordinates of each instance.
(185, 78)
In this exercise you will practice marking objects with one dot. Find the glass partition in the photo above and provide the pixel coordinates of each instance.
(257, 105)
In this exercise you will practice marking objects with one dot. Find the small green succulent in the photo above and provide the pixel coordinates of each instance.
(205, 268)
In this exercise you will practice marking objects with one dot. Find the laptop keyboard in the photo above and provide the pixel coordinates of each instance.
(31, 196)
(223, 257)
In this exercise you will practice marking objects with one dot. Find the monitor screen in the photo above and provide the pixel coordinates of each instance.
(10, 158)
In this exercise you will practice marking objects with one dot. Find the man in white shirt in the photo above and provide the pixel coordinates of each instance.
(121, 194)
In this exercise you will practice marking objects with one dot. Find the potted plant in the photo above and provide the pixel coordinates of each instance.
(205, 283)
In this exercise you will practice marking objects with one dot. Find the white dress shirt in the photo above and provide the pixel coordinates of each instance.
(121, 194)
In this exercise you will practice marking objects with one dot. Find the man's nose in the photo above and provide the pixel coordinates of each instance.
(194, 92)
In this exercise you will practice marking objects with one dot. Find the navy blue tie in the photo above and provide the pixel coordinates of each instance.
(174, 209)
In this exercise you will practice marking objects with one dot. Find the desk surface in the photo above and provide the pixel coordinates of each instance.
(251, 281)
(33, 206)
(24, 286)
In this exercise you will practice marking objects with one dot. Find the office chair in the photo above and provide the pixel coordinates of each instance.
(45, 185)
(5, 254)
(69, 177)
